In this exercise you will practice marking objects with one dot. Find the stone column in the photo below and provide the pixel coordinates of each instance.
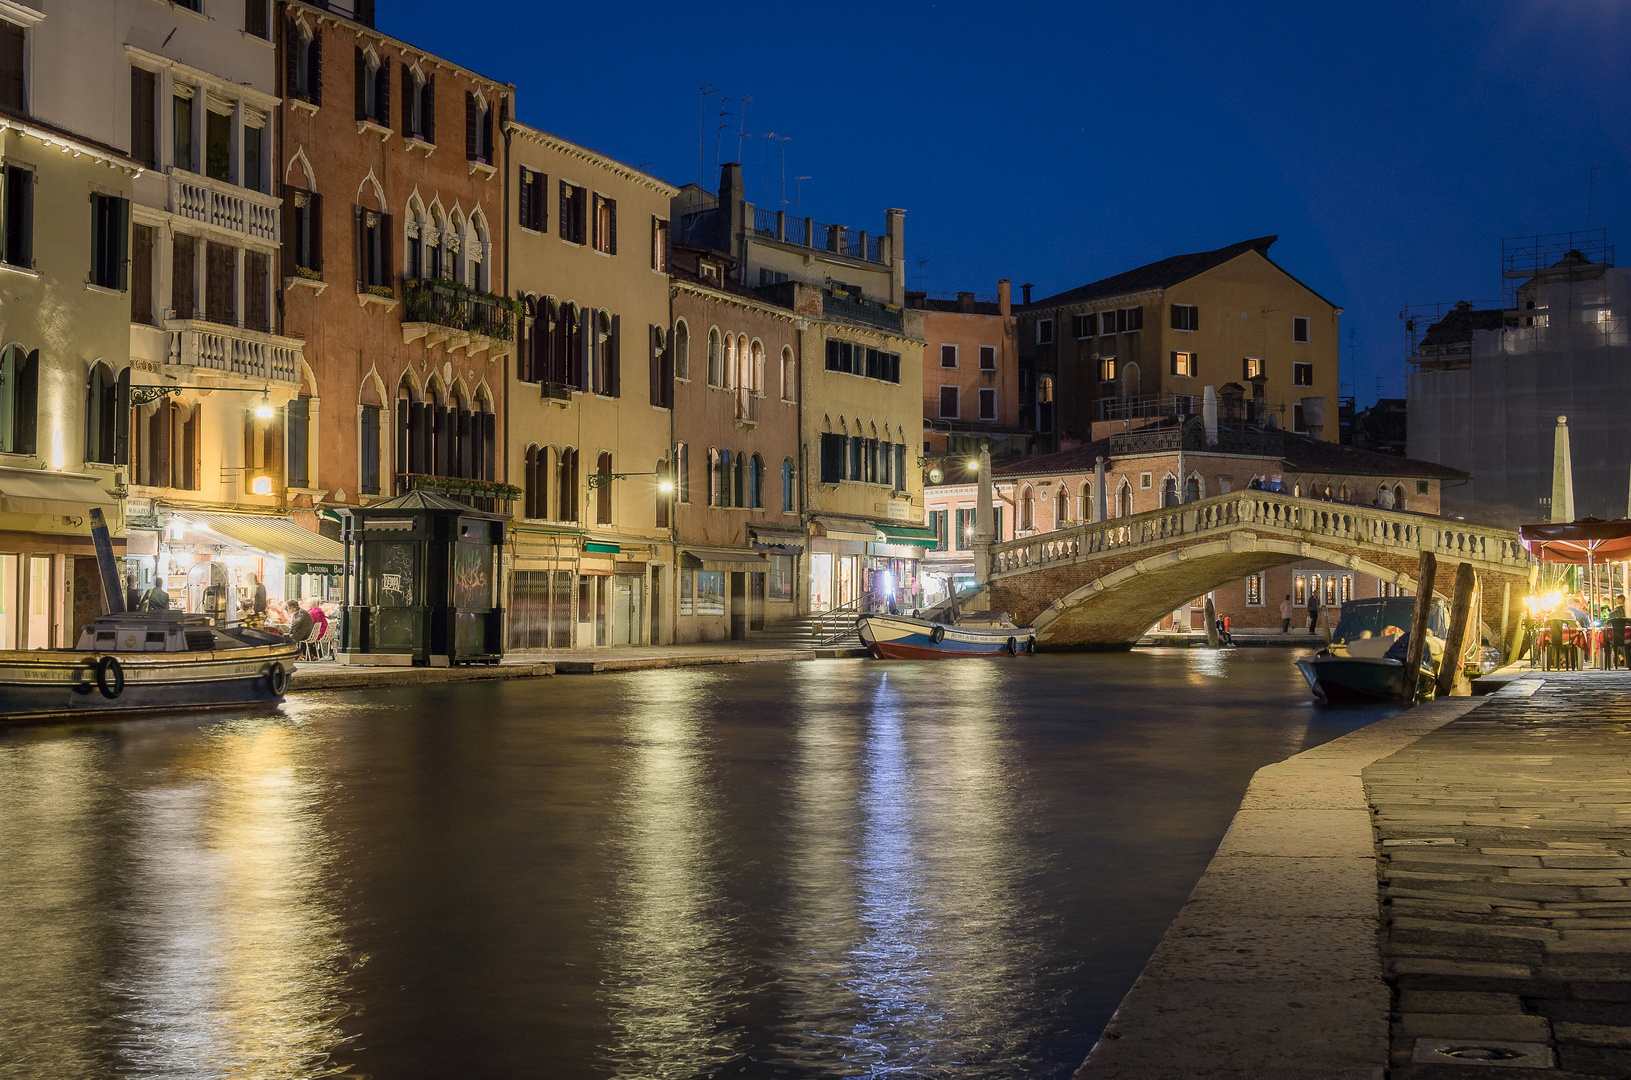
(1562, 474)
(1099, 493)
(984, 519)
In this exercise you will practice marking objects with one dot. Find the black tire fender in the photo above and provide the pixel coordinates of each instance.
(277, 678)
(1030, 644)
(938, 634)
(110, 677)
(1013, 646)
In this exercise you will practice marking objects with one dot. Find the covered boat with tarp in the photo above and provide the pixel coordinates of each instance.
(1369, 647)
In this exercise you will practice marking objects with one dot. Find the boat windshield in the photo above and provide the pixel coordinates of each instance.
(1374, 618)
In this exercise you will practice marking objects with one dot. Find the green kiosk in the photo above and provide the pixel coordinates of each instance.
(421, 583)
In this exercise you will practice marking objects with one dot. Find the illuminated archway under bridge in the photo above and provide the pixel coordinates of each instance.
(1102, 585)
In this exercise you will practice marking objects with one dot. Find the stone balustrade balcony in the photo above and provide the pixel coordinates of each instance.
(234, 352)
(237, 210)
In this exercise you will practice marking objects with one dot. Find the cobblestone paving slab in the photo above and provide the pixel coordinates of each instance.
(1504, 847)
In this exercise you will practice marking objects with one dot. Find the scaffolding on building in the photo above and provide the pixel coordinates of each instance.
(1524, 258)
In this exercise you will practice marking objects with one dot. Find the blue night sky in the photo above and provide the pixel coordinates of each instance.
(1390, 145)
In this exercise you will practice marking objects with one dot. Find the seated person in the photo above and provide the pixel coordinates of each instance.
(300, 625)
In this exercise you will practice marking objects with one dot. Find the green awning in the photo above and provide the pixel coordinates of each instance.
(908, 534)
(596, 547)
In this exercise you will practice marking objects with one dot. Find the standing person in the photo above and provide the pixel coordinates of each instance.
(156, 599)
(133, 595)
(1384, 498)
(1313, 608)
(1285, 615)
(257, 600)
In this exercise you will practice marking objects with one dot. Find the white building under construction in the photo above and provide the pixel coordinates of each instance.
(1488, 382)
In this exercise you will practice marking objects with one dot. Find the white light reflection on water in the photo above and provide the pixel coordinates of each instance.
(672, 974)
(231, 942)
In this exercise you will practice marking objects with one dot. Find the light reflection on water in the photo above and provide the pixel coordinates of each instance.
(837, 868)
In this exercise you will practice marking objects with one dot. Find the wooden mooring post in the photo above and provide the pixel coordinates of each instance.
(1455, 638)
(1425, 572)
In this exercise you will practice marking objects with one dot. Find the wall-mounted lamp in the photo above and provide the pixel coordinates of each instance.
(262, 485)
(264, 411)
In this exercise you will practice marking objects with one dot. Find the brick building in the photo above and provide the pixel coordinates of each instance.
(970, 374)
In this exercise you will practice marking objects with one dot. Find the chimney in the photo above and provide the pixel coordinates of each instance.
(732, 204)
(965, 303)
(1026, 289)
(1005, 297)
(895, 223)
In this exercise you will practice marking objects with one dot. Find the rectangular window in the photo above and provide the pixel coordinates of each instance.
(255, 21)
(143, 116)
(1299, 329)
(963, 532)
(574, 213)
(254, 144)
(1186, 317)
(1146, 481)
(19, 217)
(937, 525)
(1107, 323)
(659, 244)
(1297, 418)
(832, 457)
(1345, 588)
(257, 292)
(1107, 369)
(369, 437)
(1252, 367)
(184, 277)
(1085, 326)
(605, 225)
(1044, 331)
(1254, 590)
(1299, 590)
(779, 582)
(534, 200)
(1183, 364)
(374, 252)
(988, 403)
(181, 117)
(220, 283)
(1330, 589)
(1421, 487)
(13, 88)
(948, 356)
(218, 145)
(302, 231)
(988, 358)
(710, 592)
(296, 424)
(687, 586)
(110, 241)
(948, 402)
(1183, 404)
(1302, 374)
(141, 274)
(1134, 319)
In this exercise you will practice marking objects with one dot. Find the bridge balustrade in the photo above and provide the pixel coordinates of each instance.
(1382, 528)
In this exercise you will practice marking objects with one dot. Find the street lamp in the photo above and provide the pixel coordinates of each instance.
(974, 465)
(264, 411)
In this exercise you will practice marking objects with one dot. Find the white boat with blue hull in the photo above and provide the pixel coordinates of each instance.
(901, 637)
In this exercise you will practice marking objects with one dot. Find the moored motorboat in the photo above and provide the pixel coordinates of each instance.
(1367, 655)
(901, 637)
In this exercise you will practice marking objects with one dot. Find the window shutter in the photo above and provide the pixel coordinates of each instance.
(1195, 317)
(387, 247)
(407, 102)
(524, 203)
(190, 449)
(317, 66)
(291, 57)
(289, 230)
(161, 441)
(489, 441)
(121, 419)
(314, 225)
(487, 134)
(614, 367)
(365, 12)
(359, 245)
(470, 132)
(121, 242)
(429, 109)
(382, 91)
(1174, 363)
(404, 434)
(1195, 364)
(255, 17)
(566, 208)
(251, 462)
(540, 195)
(274, 456)
(613, 208)
(464, 452)
(362, 84)
(25, 226)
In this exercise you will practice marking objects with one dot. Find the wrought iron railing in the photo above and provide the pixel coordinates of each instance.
(458, 308)
(488, 495)
(747, 405)
(764, 222)
(857, 307)
(795, 231)
(836, 625)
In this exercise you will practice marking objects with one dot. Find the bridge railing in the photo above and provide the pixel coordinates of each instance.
(1456, 541)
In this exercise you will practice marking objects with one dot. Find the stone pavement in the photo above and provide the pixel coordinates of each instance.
(1505, 855)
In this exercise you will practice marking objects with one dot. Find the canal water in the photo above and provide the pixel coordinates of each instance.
(838, 868)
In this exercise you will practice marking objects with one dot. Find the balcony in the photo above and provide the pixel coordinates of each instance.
(233, 209)
(234, 352)
(747, 407)
(857, 308)
(451, 315)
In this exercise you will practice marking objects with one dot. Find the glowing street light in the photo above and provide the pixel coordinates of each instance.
(264, 411)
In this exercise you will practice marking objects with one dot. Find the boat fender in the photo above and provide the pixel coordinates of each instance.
(1030, 644)
(110, 677)
(938, 634)
(1013, 646)
(277, 677)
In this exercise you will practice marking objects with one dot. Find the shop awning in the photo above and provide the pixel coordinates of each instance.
(908, 534)
(771, 537)
(601, 548)
(725, 559)
(839, 529)
(37, 491)
(278, 537)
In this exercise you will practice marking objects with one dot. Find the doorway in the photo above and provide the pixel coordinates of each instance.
(739, 606)
(626, 598)
(756, 601)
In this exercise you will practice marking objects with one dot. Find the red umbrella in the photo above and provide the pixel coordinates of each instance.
(1586, 541)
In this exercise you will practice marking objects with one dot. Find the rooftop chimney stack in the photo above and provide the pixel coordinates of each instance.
(1026, 289)
(1005, 298)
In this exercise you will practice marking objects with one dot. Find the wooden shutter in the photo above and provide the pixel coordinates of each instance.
(121, 418)
(429, 109)
(489, 439)
(566, 208)
(469, 126)
(274, 455)
(540, 211)
(190, 450)
(362, 84)
(314, 226)
(614, 364)
(584, 353)
(184, 276)
(290, 230)
(468, 437)
(611, 205)
(382, 91)
(291, 57)
(142, 114)
(524, 203)
(365, 12)
(121, 243)
(404, 435)
(408, 102)
(160, 446)
(655, 367)
(316, 60)
(387, 263)
(141, 285)
(359, 245)
(487, 134)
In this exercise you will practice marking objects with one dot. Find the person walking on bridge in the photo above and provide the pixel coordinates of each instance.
(1285, 615)
(1313, 609)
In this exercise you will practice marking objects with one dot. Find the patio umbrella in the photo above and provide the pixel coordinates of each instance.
(1587, 541)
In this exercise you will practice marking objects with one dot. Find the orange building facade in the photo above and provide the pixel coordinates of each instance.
(970, 374)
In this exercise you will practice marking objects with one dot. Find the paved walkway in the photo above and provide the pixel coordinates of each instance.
(332, 676)
(1505, 848)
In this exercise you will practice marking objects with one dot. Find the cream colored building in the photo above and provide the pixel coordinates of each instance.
(589, 399)
(189, 95)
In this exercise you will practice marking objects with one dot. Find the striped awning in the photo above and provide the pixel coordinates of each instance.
(278, 537)
(41, 491)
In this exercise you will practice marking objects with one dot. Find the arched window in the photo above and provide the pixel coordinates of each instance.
(1169, 491)
(1398, 497)
(728, 381)
(434, 245)
(566, 483)
(756, 482)
(1027, 508)
(1062, 510)
(789, 375)
(1192, 489)
(603, 490)
(101, 415)
(682, 350)
(370, 437)
(1086, 512)
(535, 482)
(453, 242)
(716, 477)
(411, 446)
(1344, 494)
(414, 227)
(1130, 381)
(682, 478)
(19, 394)
(477, 250)
(756, 374)
(664, 498)
(716, 359)
(787, 486)
(1297, 491)
(1124, 499)
(739, 477)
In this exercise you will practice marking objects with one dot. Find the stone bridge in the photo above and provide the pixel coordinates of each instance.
(1102, 585)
